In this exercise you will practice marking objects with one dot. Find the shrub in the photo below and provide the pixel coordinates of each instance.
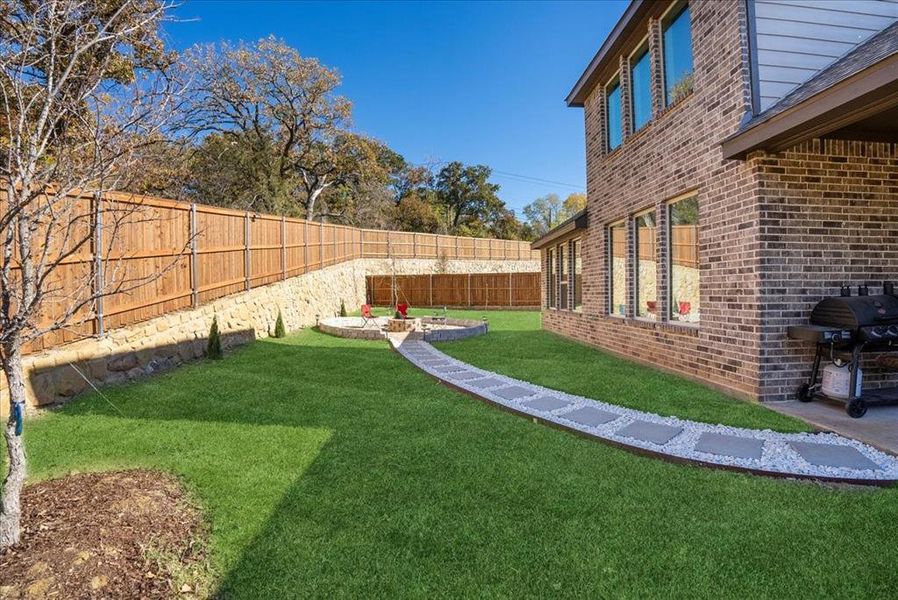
(397, 315)
(342, 309)
(279, 329)
(213, 348)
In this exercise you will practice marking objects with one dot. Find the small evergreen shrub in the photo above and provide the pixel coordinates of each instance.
(279, 329)
(213, 348)
(342, 309)
(397, 315)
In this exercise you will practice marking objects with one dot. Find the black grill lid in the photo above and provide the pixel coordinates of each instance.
(856, 311)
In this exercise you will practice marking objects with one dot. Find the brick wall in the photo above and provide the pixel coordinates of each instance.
(829, 213)
(676, 153)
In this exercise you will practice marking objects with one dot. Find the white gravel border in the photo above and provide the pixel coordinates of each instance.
(777, 456)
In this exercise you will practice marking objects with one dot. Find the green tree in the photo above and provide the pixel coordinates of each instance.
(467, 196)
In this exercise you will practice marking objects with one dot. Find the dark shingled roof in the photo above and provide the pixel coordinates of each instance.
(879, 47)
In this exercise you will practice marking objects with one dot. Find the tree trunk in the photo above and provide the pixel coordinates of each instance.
(11, 511)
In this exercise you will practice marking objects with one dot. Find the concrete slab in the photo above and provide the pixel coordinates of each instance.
(488, 383)
(729, 445)
(466, 375)
(547, 403)
(449, 369)
(879, 427)
(833, 455)
(514, 392)
(590, 416)
(656, 433)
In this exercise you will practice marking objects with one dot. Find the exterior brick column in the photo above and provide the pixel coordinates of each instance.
(657, 66)
(625, 104)
(596, 123)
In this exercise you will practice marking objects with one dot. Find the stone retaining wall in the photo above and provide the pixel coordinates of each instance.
(172, 339)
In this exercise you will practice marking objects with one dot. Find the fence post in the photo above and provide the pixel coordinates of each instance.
(469, 290)
(520, 245)
(510, 289)
(431, 289)
(334, 233)
(194, 273)
(456, 247)
(246, 243)
(320, 244)
(284, 245)
(98, 262)
(414, 245)
(489, 248)
(305, 246)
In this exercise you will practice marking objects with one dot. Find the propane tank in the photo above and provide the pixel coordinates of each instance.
(837, 381)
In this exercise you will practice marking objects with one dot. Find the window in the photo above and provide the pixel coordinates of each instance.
(646, 271)
(564, 276)
(684, 273)
(641, 84)
(618, 250)
(576, 265)
(613, 107)
(677, 40)
(551, 281)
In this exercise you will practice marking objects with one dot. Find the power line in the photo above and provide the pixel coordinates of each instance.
(514, 176)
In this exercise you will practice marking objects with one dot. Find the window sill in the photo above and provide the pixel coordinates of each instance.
(690, 329)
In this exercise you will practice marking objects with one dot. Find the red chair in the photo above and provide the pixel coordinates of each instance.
(402, 309)
(366, 314)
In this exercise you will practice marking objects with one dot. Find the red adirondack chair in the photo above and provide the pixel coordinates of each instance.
(402, 309)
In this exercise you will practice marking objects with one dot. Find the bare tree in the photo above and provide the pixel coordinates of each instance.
(83, 83)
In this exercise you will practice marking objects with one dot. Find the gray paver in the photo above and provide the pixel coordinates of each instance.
(833, 455)
(590, 416)
(729, 445)
(656, 433)
(435, 362)
(488, 382)
(514, 392)
(465, 375)
(547, 403)
(449, 369)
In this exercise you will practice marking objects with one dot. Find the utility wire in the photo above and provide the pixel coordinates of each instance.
(513, 176)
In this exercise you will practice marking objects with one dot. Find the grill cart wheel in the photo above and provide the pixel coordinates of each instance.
(804, 393)
(856, 408)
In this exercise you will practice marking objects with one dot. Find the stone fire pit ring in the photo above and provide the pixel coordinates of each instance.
(433, 328)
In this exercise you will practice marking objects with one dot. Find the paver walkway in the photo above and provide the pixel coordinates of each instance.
(824, 456)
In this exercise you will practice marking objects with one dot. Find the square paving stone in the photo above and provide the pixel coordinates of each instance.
(656, 433)
(514, 392)
(465, 375)
(590, 416)
(488, 382)
(449, 369)
(547, 403)
(729, 445)
(435, 362)
(833, 455)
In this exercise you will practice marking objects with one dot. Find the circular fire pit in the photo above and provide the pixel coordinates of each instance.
(435, 328)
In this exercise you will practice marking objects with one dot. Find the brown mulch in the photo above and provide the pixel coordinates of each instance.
(124, 534)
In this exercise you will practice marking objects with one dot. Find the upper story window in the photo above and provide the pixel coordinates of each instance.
(677, 40)
(641, 88)
(613, 108)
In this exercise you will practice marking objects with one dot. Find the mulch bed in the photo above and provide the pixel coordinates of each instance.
(124, 534)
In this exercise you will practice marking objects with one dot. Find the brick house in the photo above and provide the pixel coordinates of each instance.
(742, 164)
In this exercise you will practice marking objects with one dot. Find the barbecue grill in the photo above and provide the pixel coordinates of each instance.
(843, 328)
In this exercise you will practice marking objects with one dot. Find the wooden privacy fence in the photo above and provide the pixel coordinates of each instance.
(457, 290)
(206, 252)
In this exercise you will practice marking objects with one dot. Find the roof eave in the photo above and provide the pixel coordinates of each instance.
(859, 96)
(577, 222)
(577, 96)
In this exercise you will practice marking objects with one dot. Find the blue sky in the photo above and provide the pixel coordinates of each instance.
(479, 82)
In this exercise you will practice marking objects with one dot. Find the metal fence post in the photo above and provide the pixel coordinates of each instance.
(98, 262)
(246, 242)
(194, 259)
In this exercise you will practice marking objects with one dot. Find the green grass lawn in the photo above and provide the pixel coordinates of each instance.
(518, 347)
(331, 467)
